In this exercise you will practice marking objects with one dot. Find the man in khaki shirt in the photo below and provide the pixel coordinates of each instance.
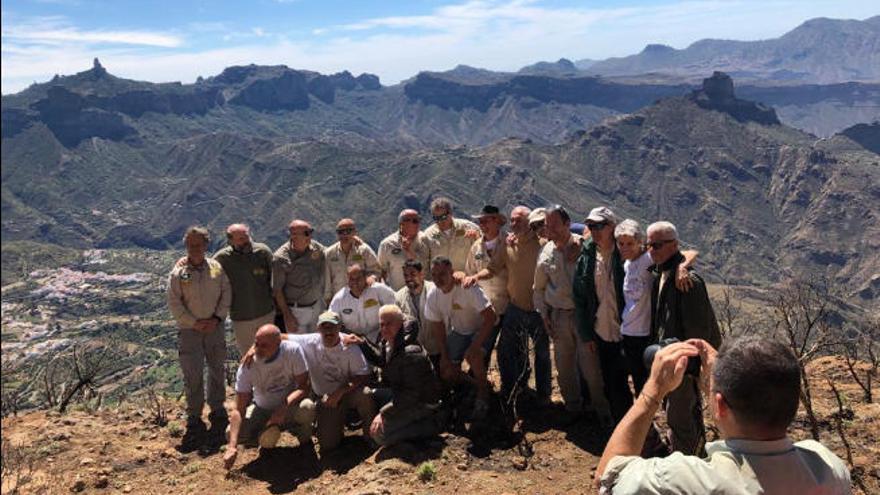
(490, 245)
(298, 279)
(349, 250)
(753, 386)
(405, 244)
(448, 236)
(199, 297)
(554, 300)
(515, 264)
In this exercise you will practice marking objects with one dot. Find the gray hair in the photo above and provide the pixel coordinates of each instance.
(629, 227)
(665, 229)
(442, 202)
(197, 230)
(392, 309)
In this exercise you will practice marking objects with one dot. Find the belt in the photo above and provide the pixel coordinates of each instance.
(297, 305)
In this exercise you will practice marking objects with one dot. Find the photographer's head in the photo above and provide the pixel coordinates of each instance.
(755, 388)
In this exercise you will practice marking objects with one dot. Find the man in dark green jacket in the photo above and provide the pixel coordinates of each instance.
(248, 265)
(681, 315)
(410, 396)
(599, 303)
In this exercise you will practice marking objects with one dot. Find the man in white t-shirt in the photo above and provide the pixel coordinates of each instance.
(339, 375)
(358, 304)
(278, 384)
(461, 320)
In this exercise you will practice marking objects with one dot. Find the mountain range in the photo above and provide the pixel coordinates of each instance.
(760, 199)
(819, 51)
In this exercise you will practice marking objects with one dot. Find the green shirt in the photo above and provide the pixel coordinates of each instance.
(250, 275)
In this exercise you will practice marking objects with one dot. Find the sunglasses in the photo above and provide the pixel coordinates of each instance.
(658, 244)
(597, 226)
(410, 220)
(536, 226)
(440, 218)
(345, 231)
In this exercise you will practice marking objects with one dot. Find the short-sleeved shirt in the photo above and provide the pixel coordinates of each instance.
(299, 275)
(338, 261)
(453, 243)
(459, 310)
(519, 260)
(272, 381)
(330, 367)
(360, 315)
(637, 293)
(733, 467)
(392, 257)
(481, 255)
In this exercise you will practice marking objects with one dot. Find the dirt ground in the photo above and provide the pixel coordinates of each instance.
(119, 450)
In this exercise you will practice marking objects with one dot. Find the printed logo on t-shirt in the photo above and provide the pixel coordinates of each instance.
(456, 306)
(369, 303)
(396, 251)
(357, 257)
(214, 271)
(347, 311)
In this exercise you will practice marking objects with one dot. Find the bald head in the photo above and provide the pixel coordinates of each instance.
(238, 235)
(409, 221)
(267, 340)
(519, 219)
(300, 234)
(345, 223)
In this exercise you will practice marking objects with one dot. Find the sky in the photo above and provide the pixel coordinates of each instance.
(179, 40)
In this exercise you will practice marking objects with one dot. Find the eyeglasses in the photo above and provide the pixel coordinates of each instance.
(658, 244)
(597, 226)
(440, 218)
(345, 231)
(410, 220)
(536, 226)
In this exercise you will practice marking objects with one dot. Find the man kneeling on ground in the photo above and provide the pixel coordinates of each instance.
(278, 383)
(753, 385)
(411, 399)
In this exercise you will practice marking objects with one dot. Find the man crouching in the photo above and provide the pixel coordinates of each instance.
(278, 384)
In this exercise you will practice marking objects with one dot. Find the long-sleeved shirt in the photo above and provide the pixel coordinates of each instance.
(735, 467)
(360, 315)
(413, 307)
(338, 261)
(198, 293)
(392, 257)
(554, 276)
(453, 243)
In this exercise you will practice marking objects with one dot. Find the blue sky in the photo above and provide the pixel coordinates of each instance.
(180, 40)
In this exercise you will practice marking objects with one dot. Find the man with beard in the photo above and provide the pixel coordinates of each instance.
(411, 299)
(405, 244)
(248, 265)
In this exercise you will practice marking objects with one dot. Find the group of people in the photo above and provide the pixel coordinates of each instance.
(325, 330)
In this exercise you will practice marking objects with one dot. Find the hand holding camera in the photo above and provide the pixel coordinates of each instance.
(669, 360)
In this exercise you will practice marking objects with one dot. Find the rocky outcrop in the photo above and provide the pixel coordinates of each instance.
(288, 91)
(66, 114)
(866, 135)
(717, 94)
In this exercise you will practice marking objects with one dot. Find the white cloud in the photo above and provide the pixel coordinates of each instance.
(491, 34)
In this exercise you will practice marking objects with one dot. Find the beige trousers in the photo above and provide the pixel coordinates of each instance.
(574, 360)
(244, 330)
